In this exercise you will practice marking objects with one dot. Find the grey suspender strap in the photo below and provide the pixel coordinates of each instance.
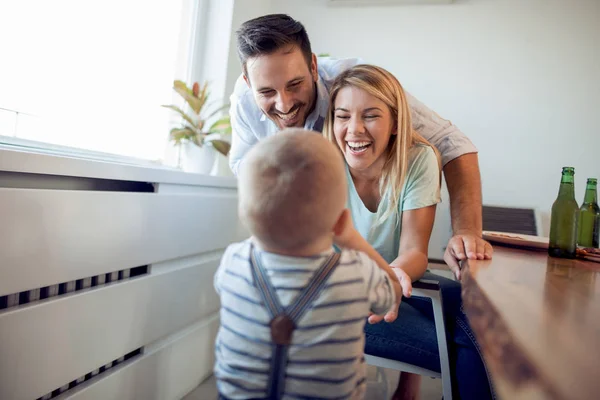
(284, 320)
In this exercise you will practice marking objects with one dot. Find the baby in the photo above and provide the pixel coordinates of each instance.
(293, 309)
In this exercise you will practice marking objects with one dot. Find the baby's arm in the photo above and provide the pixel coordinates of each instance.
(348, 237)
(382, 291)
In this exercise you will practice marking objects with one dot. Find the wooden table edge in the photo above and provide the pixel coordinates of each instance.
(514, 375)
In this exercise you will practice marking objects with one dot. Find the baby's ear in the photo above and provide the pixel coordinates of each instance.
(342, 222)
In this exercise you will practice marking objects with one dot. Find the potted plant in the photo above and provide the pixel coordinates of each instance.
(196, 141)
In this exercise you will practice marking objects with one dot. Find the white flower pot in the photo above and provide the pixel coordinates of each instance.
(199, 160)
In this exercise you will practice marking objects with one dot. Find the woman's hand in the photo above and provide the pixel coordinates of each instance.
(403, 288)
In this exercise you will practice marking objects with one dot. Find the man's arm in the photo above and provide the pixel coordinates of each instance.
(461, 168)
(464, 186)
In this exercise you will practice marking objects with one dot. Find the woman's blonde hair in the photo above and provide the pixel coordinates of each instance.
(384, 86)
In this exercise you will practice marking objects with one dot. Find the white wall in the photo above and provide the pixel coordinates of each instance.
(243, 11)
(520, 77)
(217, 60)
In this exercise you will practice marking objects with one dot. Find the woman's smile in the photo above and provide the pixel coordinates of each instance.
(358, 147)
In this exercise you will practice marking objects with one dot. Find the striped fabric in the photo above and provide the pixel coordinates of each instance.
(326, 355)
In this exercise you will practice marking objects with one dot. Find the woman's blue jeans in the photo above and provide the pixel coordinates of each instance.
(411, 339)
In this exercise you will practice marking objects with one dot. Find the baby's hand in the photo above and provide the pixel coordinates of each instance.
(403, 287)
(344, 234)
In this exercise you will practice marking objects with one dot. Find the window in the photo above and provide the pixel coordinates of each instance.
(93, 74)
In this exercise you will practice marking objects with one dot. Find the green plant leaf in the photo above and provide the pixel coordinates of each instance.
(203, 96)
(182, 113)
(194, 102)
(194, 129)
(198, 139)
(179, 134)
(178, 84)
(222, 125)
(221, 146)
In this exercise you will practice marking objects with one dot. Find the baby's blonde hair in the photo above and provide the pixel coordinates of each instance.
(384, 86)
(292, 189)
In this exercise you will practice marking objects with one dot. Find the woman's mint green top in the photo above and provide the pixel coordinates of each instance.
(421, 189)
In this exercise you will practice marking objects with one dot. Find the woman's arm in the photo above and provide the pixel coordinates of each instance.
(414, 241)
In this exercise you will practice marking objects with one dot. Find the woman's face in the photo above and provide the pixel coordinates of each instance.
(362, 127)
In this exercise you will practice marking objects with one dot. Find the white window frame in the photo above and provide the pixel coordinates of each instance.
(200, 25)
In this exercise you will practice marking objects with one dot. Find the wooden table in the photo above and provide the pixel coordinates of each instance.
(537, 320)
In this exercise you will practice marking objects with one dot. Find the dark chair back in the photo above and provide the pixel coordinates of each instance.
(510, 220)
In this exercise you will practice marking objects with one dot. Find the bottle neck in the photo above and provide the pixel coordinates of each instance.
(591, 194)
(567, 187)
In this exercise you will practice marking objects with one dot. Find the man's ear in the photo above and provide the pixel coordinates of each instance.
(313, 68)
(247, 80)
(341, 222)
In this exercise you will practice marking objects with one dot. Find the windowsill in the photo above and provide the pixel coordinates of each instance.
(16, 158)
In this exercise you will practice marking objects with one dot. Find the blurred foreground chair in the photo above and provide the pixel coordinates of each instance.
(430, 289)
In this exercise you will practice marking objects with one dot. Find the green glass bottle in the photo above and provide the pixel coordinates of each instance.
(565, 213)
(588, 216)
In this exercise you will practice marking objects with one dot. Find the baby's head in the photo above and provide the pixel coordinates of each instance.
(292, 190)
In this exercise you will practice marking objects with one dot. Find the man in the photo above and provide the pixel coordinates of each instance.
(284, 85)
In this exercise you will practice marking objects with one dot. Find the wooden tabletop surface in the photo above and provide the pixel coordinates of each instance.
(537, 319)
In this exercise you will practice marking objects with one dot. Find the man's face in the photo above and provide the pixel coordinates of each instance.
(283, 86)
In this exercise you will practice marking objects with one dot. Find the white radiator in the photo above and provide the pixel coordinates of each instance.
(106, 277)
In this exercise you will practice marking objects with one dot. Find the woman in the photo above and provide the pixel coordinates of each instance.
(394, 186)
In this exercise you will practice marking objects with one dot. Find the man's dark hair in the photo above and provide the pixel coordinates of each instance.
(269, 33)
